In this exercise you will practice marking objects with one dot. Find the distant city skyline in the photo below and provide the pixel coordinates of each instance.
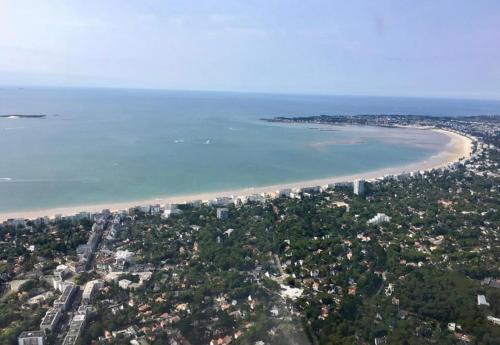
(383, 48)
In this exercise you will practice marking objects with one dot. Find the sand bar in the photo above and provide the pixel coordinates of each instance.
(458, 148)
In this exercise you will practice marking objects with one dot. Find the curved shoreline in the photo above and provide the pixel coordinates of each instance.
(459, 147)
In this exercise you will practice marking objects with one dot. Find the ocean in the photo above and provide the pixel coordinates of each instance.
(113, 145)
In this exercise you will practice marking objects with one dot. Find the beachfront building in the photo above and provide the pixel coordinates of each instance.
(379, 219)
(155, 209)
(31, 338)
(359, 187)
(256, 198)
(284, 192)
(170, 210)
(340, 185)
(222, 213)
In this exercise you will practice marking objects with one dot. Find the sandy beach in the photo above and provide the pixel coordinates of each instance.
(459, 147)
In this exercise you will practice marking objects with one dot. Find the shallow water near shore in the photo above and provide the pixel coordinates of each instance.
(97, 145)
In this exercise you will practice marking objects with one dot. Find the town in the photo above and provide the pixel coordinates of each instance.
(403, 259)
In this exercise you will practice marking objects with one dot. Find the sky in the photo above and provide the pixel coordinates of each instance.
(431, 48)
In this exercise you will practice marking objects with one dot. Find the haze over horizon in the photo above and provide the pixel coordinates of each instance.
(387, 48)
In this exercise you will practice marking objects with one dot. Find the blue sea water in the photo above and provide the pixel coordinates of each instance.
(109, 145)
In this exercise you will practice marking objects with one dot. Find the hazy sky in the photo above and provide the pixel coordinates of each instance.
(405, 47)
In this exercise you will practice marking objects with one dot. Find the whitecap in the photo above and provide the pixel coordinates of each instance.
(177, 141)
(5, 179)
(207, 142)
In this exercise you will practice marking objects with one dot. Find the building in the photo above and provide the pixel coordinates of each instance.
(61, 271)
(380, 341)
(340, 185)
(51, 319)
(481, 300)
(85, 309)
(82, 265)
(155, 209)
(123, 256)
(222, 213)
(90, 288)
(124, 284)
(57, 283)
(75, 329)
(379, 219)
(64, 300)
(359, 187)
(495, 283)
(284, 192)
(170, 210)
(494, 320)
(144, 208)
(31, 338)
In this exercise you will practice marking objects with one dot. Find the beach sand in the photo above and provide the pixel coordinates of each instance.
(459, 147)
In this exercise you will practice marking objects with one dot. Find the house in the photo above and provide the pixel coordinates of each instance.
(481, 300)
(495, 283)
(494, 320)
(124, 284)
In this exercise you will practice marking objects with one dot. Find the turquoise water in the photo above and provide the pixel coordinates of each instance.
(100, 145)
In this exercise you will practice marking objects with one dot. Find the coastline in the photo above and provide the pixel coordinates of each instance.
(460, 146)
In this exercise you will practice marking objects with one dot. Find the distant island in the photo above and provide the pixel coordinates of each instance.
(18, 116)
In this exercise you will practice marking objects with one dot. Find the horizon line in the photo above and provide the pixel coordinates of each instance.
(250, 92)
